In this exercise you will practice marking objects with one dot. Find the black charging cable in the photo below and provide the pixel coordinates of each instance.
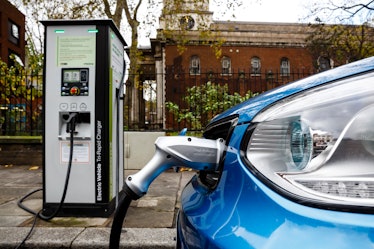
(70, 128)
(118, 100)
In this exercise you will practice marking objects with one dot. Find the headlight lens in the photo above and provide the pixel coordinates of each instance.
(319, 145)
(301, 144)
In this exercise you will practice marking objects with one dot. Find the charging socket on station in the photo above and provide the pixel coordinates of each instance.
(82, 124)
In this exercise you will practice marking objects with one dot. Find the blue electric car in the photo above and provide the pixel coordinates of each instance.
(297, 171)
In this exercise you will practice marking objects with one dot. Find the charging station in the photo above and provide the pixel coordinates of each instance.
(83, 124)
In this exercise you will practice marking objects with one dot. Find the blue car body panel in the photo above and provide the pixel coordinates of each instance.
(242, 212)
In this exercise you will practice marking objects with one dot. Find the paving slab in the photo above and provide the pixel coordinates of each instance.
(13, 221)
(11, 208)
(136, 218)
(149, 223)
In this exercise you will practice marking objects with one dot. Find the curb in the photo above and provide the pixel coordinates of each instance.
(94, 238)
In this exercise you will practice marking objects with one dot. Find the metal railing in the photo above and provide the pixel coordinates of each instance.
(21, 99)
(21, 105)
(180, 83)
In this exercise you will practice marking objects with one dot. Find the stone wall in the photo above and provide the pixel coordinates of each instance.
(139, 148)
(21, 151)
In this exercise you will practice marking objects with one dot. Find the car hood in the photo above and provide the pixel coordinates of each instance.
(248, 109)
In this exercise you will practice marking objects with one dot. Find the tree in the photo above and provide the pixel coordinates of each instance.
(134, 86)
(114, 9)
(341, 43)
(20, 88)
(341, 11)
(58, 9)
(203, 102)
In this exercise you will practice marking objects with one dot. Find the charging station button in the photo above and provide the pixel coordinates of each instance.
(74, 90)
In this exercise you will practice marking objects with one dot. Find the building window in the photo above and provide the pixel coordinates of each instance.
(14, 32)
(226, 65)
(285, 67)
(323, 63)
(195, 65)
(255, 66)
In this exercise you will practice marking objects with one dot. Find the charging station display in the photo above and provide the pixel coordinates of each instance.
(74, 81)
(83, 69)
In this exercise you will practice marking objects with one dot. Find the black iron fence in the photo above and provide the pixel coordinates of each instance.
(21, 105)
(190, 99)
(170, 102)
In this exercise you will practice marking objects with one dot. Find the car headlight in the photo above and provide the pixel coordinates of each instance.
(318, 146)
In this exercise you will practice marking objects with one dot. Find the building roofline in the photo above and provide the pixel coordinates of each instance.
(259, 23)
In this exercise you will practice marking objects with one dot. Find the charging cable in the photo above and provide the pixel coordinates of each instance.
(70, 128)
(195, 153)
(119, 96)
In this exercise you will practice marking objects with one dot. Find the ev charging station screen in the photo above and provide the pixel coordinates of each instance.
(74, 82)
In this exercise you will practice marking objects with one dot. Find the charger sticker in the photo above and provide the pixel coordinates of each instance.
(76, 51)
(81, 152)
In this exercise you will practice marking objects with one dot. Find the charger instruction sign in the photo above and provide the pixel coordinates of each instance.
(76, 51)
(81, 152)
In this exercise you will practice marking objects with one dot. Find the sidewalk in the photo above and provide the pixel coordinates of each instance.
(150, 221)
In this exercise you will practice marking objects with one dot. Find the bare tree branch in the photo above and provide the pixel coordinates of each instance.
(343, 11)
(355, 8)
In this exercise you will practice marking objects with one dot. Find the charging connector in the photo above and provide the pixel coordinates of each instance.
(176, 151)
(173, 151)
(71, 121)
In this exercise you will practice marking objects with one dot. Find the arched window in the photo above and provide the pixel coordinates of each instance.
(226, 65)
(255, 66)
(285, 67)
(194, 65)
(323, 63)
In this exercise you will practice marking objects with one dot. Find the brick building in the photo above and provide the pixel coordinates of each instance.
(12, 32)
(192, 49)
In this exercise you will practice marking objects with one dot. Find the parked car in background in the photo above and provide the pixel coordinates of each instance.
(298, 171)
